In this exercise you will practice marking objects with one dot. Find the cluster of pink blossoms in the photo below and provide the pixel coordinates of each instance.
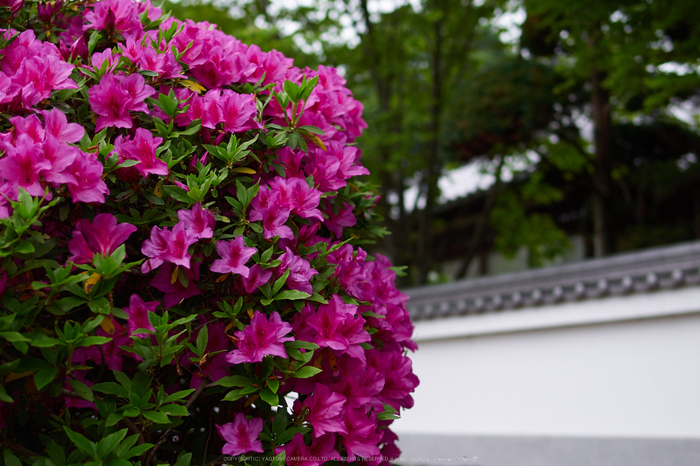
(120, 122)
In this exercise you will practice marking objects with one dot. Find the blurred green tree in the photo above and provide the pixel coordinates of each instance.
(441, 90)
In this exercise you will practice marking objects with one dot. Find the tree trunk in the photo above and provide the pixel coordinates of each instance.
(431, 174)
(602, 182)
(477, 237)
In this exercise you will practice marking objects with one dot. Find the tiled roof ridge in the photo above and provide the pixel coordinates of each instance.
(635, 272)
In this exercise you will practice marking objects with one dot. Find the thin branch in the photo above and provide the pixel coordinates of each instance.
(17, 448)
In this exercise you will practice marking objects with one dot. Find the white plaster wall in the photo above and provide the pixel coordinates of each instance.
(614, 378)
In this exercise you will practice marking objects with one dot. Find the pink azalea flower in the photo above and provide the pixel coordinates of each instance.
(111, 103)
(138, 314)
(22, 167)
(38, 76)
(274, 219)
(273, 65)
(362, 436)
(57, 125)
(167, 246)
(295, 194)
(198, 221)
(241, 435)
(110, 57)
(261, 338)
(239, 111)
(399, 379)
(337, 327)
(136, 87)
(8, 91)
(225, 64)
(325, 411)
(143, 149)
(60, 156)
(300, 271)
(359, 383)
(324, 170)
(114, 17)
(89, 186)
(22, 48)
(256, 278)
(234, 255)
(101, 236)
(344, 218)
(115, 97)
(30, 126)
(132, 50)
(291, 160)
(164, 64)
(179, 241)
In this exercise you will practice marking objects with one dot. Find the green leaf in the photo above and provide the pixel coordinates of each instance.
(24, 247)
(128, 163)
(113, 418)
(235, 381)
(306, 372)
(10, 459)
(280, 281)
(138, 450)
(312, 129)
(91, 341)
(279, 460)
(291, 295)
(177, 395)
(301, 344)
(54, 451)
(202, 340)
(82, 390)
(45, 376)
(111, 388)
(268, 397)
(107, 444)
(82, 442)
(234, 395)
(274, 385)
(14, 337)
(292, 90)
(100, 306)
(185, 459)
(4, 396)
(174, 410)
(279, 423)
(94, 37)
(152, 198)
(157, 417)
(39, 340)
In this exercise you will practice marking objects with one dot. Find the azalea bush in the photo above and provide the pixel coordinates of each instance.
(181, 273)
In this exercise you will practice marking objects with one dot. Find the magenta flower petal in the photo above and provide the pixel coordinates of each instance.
(101, 236)
(138, 314)
(241, 435)
(261, 338)
(234, 255)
